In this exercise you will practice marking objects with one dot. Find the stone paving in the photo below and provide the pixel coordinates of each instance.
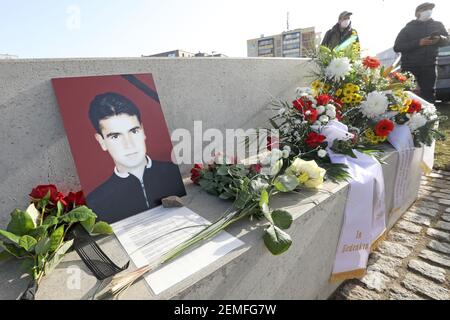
(414, 261)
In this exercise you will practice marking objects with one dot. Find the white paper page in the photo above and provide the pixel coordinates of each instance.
(148, 235)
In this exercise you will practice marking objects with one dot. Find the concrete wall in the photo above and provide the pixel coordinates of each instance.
(223, 93)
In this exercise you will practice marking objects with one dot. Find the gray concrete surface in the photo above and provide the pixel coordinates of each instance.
(35, 151)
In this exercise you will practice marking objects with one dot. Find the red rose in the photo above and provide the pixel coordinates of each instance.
(314, 140)
(371, 62)
(75, 199)
(311, 115)
(40, 192)
(415, 106)
(256, 168)
(384, 127)
(323, 99)
(196, 173)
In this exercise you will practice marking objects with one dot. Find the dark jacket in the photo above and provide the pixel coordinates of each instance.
(119, 198)
(335, 37)
(407, 42)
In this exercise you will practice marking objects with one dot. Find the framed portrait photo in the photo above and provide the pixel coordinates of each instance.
(120, 143)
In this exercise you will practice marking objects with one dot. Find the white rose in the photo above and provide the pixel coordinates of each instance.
(324, 119)
(331, 107)
(320, 109)
(331, 113)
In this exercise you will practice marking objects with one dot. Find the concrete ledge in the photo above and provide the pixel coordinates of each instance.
(224, 93)
(250, 272)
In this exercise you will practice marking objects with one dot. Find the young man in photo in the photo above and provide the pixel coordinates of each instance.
(137, 183)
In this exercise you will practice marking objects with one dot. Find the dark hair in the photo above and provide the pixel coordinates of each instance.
(110, 104)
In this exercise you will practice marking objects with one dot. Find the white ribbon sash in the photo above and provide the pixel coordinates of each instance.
(401, 139)
(365, 213)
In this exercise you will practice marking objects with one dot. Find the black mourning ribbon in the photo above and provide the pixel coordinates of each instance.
(92, 255)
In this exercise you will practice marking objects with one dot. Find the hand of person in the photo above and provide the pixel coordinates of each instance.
(429, 41)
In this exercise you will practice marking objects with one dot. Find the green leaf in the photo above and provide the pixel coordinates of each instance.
(56, 238)
(50, 221)
(9, 236)
(89, 224)
(282, 219)
(43, 246)
(57, 257)
(286, 183)
(78, 214)
(264, 199)
(276, 240)
(39, 232)
(28, 265)
(60, 209)
(21, 223)
(13, 250)
(243, 198)
(27, 243)
(222, 171)
(102, 228)
(34, 214)
(226, 196)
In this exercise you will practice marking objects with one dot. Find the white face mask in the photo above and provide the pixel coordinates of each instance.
(345, 24)
(425, 15)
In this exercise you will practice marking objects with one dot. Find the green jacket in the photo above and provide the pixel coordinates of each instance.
(335, 37)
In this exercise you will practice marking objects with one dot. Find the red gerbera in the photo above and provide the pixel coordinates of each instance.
(384, 127)
(314, 140)
(323, 99)
(371, 62)
(400, 77)
(415, 106)
(301, 104)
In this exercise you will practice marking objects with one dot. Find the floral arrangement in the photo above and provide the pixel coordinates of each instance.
(38, 236)
(360, 95)
(373, 98)
(250, 187)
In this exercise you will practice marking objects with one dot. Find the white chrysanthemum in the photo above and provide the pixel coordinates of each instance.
(320, 109)
(322, 153)
(429, 110)
(338, 69)
(416, 121)
(375, 105)
(259, 184)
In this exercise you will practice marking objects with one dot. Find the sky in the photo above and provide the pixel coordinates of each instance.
(131, 28)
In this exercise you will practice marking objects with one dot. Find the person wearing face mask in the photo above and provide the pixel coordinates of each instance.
(340, 32)
(418, 42)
